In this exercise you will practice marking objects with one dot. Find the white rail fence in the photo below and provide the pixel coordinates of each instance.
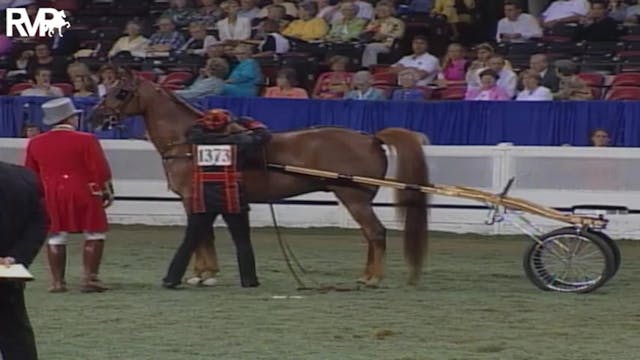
(552, 176)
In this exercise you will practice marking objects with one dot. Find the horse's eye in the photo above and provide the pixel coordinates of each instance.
(122, 94)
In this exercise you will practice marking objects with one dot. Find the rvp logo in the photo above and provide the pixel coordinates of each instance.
(46, 22)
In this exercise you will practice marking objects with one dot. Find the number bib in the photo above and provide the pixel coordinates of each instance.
(214, 155)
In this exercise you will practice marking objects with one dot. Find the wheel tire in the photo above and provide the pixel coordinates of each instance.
(614, 248)
(596, 238)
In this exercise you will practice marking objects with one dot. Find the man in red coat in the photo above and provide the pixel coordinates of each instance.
(77, 184)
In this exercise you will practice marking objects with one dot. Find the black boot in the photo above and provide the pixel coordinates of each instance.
(247, 267)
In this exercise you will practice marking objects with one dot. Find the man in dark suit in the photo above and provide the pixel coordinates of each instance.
(23, 229)
(540, 64)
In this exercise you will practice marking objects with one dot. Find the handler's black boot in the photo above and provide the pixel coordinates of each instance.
(247, 267)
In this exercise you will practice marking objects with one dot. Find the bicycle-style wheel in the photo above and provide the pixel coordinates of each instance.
(570, 260)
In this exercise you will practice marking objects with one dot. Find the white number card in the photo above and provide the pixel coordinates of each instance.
(214, 155)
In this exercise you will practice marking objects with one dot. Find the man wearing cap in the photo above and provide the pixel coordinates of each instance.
(23, 229)
(77, 185)
(217, 189)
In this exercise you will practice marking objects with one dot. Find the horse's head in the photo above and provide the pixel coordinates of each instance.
(121, 101)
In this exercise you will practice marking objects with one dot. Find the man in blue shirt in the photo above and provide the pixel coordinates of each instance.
(210, 82)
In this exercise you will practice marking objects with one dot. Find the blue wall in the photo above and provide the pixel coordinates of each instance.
(446, 123)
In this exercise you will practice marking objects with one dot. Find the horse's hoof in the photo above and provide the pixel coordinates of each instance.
(363, 280)
(209, 282)
(194, 281)
(373, 282)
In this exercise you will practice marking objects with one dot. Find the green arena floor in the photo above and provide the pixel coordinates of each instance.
(474, 303)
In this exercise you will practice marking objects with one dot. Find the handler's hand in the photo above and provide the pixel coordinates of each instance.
(107, 195)
(7, 261)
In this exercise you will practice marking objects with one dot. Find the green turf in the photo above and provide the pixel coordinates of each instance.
(474, 303)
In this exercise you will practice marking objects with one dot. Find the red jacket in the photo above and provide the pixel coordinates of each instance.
(72, 168)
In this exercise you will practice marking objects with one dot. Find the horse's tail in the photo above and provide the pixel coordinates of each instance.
(411, 167)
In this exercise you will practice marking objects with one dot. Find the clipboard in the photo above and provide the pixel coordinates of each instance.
(15, 272)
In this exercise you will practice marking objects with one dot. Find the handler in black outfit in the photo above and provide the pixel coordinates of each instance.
(23, 229)
(217, 188)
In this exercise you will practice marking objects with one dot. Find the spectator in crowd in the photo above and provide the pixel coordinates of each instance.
(564, 11)
(424, 64)
(274, 42)
(199, 40)
(290, 9)
(108, 79)
(454, 65)
(349, 27)
(218, 51)
(209, 13)
(308, 27)
(571, 86)
(597, 26)
(599, 138)
(166, 39)
(180, 13)
(408, 80)
(84, 86)
(210, 82)
(134, 42)
(286, 81)
(484, 52)
(456, 12)
(233, 28)
(337, 82)
(382, 33)
(248, 9)
(507, 79)
(632, 15)
(19, 66)
(517, 26)
(363, 89)
(77, 68)
(326, 11)
(548, 75)
(276, 13)
(64, 42)
(30, 130)
(364, 11)
(43, 59)
(246, 76)
(42, 86)
(617, 10)
(532, 89)
(488, 90)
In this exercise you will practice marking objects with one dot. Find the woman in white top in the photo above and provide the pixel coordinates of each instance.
(532, 89)
(133, 42)
(233, 27)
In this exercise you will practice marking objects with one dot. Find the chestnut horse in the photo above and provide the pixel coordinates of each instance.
(168, 117)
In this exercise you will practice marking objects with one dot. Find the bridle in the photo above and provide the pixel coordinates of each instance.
(125, 95)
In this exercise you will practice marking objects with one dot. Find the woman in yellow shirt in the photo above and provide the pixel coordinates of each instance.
(384, 31)
(308, 27)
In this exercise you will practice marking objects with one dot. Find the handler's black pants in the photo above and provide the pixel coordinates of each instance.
(199, 229)
(17, 341)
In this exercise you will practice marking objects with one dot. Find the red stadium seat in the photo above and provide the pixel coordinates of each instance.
(624, 93)
(626, 79)
(172, 86)
(147, 75)
(596, 92)
(385, 78)
(16, 89)
(453, 93)
(379, 68)
(67, 89)
(178, 77)
(592, 79)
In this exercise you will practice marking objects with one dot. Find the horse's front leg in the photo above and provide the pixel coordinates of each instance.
(205, 262)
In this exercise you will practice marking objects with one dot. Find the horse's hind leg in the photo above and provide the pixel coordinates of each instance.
(358, 203)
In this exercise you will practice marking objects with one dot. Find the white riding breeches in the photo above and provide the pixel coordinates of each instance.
(61, 238)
